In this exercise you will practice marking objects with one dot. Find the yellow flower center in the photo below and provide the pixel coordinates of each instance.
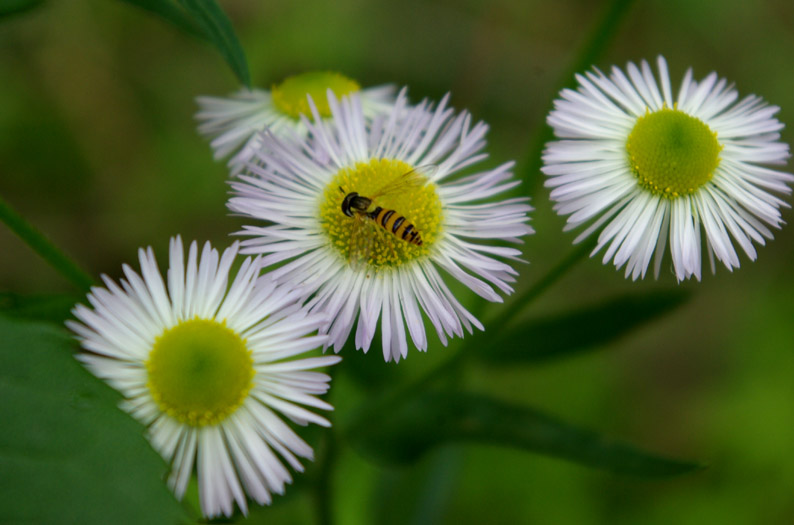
(200, 372)
(379, 244)
(672, 153)
(290, 96)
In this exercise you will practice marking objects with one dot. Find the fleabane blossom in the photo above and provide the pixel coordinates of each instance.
(368, 215)
(647, 168)
(210, 369)
(234, 123)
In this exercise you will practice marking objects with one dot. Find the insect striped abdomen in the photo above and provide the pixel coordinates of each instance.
(394, 223)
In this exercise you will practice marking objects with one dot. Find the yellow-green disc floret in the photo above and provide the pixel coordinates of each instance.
(200, 372)
(358, 239)
(290, 95)
(672, 153)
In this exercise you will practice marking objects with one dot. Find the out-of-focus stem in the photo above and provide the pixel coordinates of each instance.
(517, 305)
(44, 247)
(593, 47)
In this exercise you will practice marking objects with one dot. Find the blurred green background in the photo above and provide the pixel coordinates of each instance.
(98, 148)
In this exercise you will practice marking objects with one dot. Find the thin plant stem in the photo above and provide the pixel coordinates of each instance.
(44, 247)
(593, 47)
(517, 305)
(380, 405)
(323, 492)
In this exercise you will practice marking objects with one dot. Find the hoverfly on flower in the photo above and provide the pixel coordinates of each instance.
(374, 218)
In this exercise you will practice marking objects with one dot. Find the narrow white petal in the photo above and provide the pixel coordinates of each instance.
(592, 183)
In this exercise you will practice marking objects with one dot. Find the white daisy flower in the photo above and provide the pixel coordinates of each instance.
(233, 123)
(336, 227)
(209, 370)
(647, 166)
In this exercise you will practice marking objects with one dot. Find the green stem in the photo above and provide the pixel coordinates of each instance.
(44, 247)
(324, 480)
(517, 305)
(592, 49)
(380, 405)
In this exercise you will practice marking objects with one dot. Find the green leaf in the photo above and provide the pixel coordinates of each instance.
(204, 19)
(47, 307)
(422, 422)
(67, 453)
(170, 12)
(13, 7)
(572, 332)
(218, 29)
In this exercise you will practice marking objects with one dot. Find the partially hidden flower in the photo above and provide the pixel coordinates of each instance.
(210, 369)
(234, 123)
(649, 168)
(367, 215)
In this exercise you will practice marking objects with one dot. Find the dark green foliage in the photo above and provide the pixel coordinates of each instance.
(44, 307)
(12, 7)
(425, 421)
(581, 329)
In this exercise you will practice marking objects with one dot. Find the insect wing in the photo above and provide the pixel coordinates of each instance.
(362, 241)
(408, 181)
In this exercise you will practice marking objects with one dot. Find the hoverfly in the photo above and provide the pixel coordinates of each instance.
(366, 213)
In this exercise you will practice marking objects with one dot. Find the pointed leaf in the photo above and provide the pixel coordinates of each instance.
(206, 20)
(171, 13)
(67, 453)
(423, 422)
(218, 29)
(572, 332)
